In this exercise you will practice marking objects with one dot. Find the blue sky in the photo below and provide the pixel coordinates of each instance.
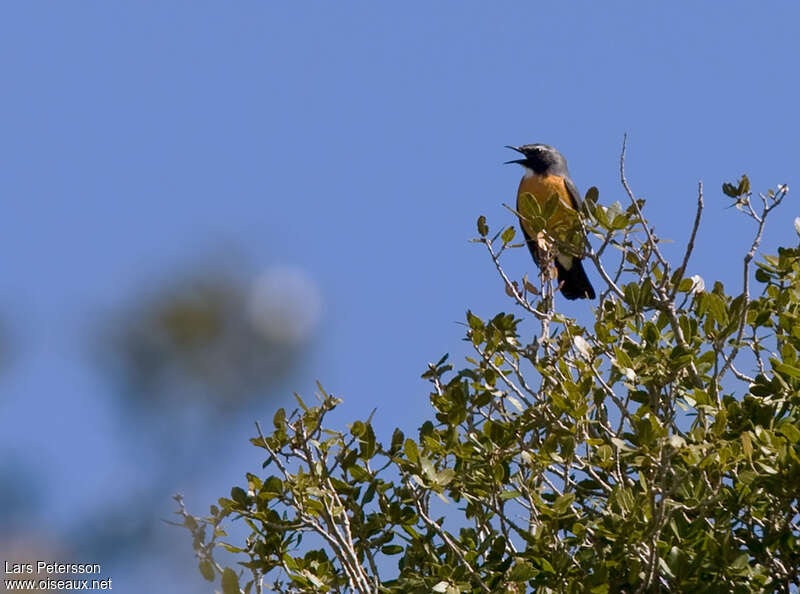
(359, 142)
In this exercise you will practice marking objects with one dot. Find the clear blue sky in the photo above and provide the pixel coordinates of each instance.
(358, 141)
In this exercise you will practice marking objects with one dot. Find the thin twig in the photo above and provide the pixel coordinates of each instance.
(451, 544)
(650, 239)
(690, 246)
(510, 285)
(595, 258)
(762, 220)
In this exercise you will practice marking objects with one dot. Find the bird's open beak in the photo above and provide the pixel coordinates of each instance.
(518, 161)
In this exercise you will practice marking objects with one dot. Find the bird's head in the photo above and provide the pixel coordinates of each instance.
(540, 158)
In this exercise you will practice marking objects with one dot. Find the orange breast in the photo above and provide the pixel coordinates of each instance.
(542, 187)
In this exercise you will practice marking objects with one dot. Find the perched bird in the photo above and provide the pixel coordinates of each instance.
(546, 175)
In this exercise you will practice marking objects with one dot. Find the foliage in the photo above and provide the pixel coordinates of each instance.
(634, 455)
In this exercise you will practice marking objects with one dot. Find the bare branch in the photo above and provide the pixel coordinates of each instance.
(690, 246)
(510, 285)
(762, 220)
(650, 239)
(595, 258)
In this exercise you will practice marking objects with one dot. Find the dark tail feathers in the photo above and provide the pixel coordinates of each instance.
(574, 282)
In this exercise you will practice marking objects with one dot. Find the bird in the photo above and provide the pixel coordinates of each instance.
(545, 175)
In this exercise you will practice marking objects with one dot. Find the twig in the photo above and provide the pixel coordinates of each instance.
(650, 239)
(453, 546)
(511, 385)
(690, 246)
(741, 376)
(595, 258)
(510, 286)
(782, 191)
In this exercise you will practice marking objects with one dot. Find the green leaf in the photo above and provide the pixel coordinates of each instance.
(550, 206)
(747, 444)
(300, 402)
(510, 494)
(427, 468)
(522, 572)
(445, 477)
(620, 444)
(685, 285)
(785, 369)
(529, 207)
(397, 441)
(762, 275)
(359, 474)
(741, 561)
(544, 565)
(474, 321)
(651, 333)
(239, 495)
(632, 295)
(717, 309)
(358, 429)
(271, 488)
(207, 570)
(508, 235)
(563, 502)
(744, 185)
(789, 430)
(483, 228)
(318, 583)
(622, 357)
(411, 451)
(620, 222)
(602, 217)
(729, 189)
(367, 443)
(739, 189)
(230, 582)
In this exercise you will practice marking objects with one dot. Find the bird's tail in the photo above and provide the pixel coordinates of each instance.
(574, 282)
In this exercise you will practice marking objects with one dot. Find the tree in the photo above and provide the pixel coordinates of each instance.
(656, 450)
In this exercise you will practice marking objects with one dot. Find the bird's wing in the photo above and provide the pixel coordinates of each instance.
(575, 197)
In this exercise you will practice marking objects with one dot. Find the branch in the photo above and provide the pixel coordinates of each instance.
(762, 220)
(690, 246)
(338, 535)
(453, 546)
(595, 258)
(510, 285)
(650, 239)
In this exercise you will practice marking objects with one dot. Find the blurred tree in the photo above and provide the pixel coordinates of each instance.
(656, 450)
(187, 359)
(213, 339)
